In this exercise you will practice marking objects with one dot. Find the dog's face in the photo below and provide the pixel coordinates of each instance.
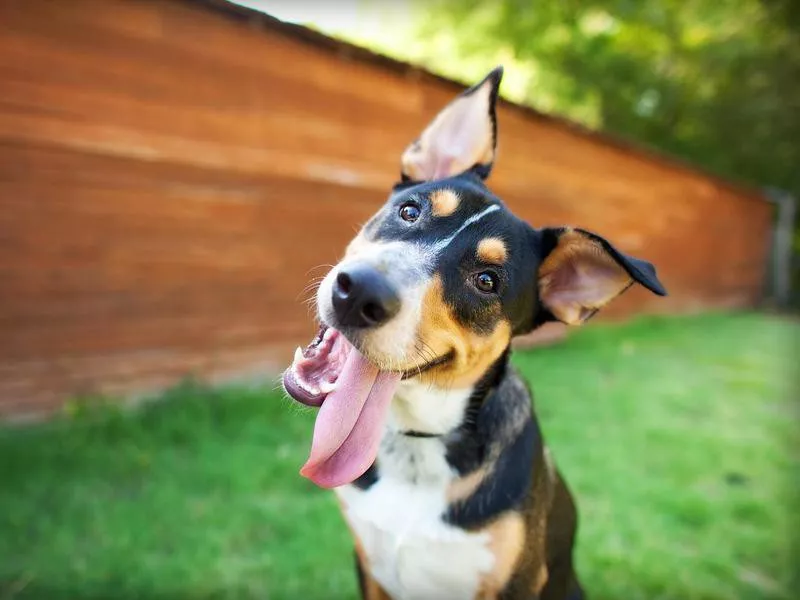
(436, 283)
(434, 287)
(439, 280)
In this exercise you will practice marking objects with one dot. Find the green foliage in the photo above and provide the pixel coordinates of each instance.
(679, 437)
(715, 82)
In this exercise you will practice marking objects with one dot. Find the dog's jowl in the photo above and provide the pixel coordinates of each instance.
(424, 429)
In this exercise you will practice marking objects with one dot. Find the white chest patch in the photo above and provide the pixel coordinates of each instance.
(412, 552)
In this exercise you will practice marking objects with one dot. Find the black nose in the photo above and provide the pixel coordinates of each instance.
(363, 297)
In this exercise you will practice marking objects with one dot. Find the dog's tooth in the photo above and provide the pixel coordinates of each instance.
(327, 387)
(298, 354)
(308, 388)
(327, 335)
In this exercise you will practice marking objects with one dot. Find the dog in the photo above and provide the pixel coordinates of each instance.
(425, 431)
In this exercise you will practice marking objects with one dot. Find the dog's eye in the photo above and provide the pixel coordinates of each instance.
(486, 282)
(409, 212)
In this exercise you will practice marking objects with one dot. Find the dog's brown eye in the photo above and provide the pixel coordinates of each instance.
(486, 282)
(409, 212)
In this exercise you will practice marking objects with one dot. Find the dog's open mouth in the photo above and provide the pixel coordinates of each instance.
(315, 370)
(353, 396)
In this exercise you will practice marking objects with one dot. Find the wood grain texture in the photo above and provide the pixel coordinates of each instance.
(171, 178)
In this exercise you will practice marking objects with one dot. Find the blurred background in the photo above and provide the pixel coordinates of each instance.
(175, 176)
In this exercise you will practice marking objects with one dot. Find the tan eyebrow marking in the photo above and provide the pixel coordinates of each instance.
(444, 202)
(492, 250)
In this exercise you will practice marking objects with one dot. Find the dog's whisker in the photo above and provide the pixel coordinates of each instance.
(324, 266)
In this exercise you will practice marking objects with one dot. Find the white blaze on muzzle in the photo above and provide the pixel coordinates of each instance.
(405, 266)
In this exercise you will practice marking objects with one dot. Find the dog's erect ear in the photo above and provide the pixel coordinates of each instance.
(581, 272)
(462, 136)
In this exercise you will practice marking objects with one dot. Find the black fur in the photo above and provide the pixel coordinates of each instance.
(368, 479)
(505, 488)
(466, 447)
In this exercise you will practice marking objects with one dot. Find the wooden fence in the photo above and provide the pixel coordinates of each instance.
(173, 173)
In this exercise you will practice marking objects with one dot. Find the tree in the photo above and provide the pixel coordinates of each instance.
(715, 82)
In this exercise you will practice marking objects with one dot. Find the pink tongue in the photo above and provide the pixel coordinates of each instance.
(350, 422)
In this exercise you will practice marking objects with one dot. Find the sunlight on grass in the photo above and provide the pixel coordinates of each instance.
(678, 436)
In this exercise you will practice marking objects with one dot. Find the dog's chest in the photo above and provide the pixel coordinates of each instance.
(398, 521)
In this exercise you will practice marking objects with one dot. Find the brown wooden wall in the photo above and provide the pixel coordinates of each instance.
(170, 177)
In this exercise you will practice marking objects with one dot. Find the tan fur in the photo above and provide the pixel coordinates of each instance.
(440, 333)
(541, 579)
(506, 542)
(493, 251)
(578, 278)
(531, 573)
(463, 487)
(444, 202)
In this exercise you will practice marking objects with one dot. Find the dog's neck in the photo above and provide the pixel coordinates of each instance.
(435, 435)
(425, 409)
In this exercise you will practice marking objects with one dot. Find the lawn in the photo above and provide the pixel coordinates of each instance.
(679, 437)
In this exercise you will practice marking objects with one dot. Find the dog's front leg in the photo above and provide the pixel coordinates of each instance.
(370, 588)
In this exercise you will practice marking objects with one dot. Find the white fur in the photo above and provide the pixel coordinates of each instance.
(442, 244)
(403, 263)
(395, 340)
(420, 407)
(410, 550)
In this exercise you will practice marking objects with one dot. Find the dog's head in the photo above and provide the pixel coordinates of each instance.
(438, 282)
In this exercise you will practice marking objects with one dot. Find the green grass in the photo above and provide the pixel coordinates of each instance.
(679, 437)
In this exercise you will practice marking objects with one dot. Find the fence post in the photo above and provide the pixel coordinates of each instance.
(782, 243)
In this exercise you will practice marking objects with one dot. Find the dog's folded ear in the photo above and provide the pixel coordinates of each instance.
(462, 137)
(581, 272)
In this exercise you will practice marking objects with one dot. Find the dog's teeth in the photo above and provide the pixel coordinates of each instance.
(298, 354)
(327, 335)
(307, 388)
(326, 387)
